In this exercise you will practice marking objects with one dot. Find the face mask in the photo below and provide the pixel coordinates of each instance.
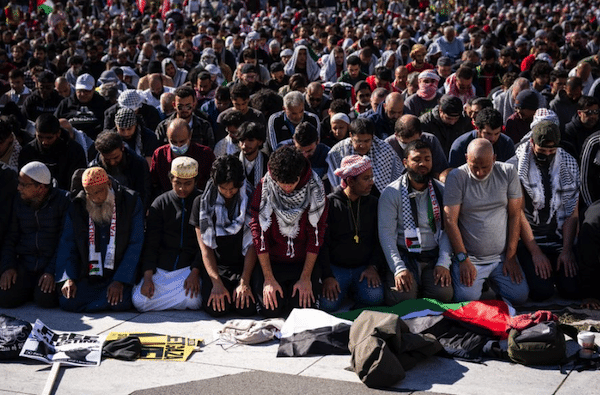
(543, 159)
(473, 176)
(180, 150)
(365, 104)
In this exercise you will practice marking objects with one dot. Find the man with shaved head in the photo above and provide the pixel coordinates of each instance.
(179, 137)
(482, 206)
(387, 114)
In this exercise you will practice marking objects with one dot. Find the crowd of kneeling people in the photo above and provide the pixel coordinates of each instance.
(251, 233)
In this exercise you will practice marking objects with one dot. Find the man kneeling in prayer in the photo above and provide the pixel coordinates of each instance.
(219, 216)
(351, 257)
(170, 261)
(289, 213)
(417, 249)
(97, 272)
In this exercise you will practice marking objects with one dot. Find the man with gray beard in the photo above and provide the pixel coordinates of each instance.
(96, 273)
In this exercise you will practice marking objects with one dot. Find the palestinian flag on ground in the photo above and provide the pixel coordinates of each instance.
(45, 5)
(492, 315)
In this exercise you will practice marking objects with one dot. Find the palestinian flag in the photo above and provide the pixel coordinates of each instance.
(45, 5)
(313, 332)
(492, 315)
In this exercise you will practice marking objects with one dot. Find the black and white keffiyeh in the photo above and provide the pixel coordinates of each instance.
(387, 166)
(258, 171)
(216, 221)
(434, 216)
(289, 207)
(564, 179)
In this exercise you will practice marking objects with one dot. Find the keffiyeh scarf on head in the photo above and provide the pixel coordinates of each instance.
(412, 235)
(312, 68)
(427, 91)
(453, 90)
(564, 180)
(289, 207)
(215, 220)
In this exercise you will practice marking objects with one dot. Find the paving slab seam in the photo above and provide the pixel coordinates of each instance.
(562, 382)
(303, 370)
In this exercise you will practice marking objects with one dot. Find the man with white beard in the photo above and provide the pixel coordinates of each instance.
(96, 273)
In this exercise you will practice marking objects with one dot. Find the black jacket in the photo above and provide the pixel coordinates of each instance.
(87, 117)
(574, 136)
(202, 132)
(339, 247)
(446, 134)
(34, 105)
(63, 158)
(73, 251)
(8, 180)
(165, 245)
(33, 236)
(278, 128)
(135, 171)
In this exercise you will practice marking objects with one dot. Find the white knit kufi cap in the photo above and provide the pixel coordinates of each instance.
(38, 172)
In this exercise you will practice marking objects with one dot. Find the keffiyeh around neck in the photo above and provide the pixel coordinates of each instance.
(289, 207)
(412, 233)
(215, 220)
(564, 180)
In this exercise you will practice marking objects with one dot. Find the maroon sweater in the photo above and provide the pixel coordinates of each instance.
(161, 166)
(275, 243)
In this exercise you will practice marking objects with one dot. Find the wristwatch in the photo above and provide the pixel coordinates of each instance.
(461, 257)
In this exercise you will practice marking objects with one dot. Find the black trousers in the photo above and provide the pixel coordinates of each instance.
(25, 289)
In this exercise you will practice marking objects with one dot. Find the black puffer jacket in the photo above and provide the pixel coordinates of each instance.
(446, 134)
(33, 236)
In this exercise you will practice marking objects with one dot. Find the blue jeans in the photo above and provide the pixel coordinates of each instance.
(516, 294)
(349, 281)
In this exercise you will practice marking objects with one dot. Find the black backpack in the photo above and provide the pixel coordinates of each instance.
(13, 334)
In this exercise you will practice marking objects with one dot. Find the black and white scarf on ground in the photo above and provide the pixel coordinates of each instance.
(564, 180)
(289, 207)
(412, 234)
(215, 220)
(387, 166)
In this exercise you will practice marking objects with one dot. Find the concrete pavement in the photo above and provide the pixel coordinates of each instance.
(244, 369)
